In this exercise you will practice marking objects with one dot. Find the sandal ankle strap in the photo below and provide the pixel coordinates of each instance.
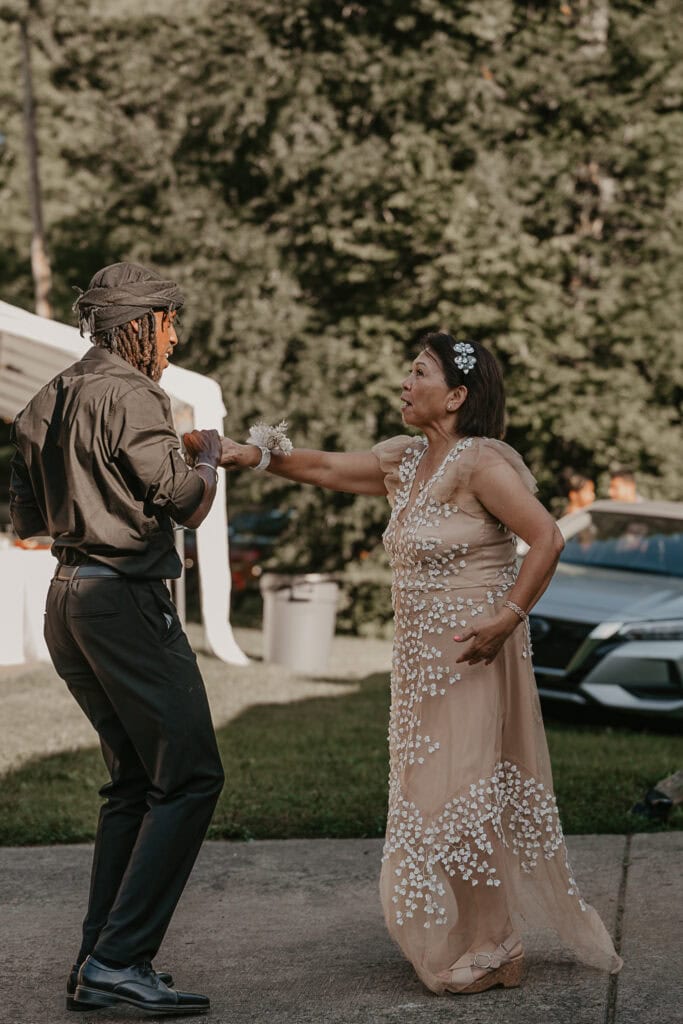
(487, 961)
(490, 961)
(507, 945)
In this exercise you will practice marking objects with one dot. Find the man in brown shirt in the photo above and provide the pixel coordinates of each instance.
(98, 468)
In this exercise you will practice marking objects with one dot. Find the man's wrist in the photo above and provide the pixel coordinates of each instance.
(206, 463)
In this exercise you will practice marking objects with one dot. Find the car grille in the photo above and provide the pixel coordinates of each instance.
(555, 641)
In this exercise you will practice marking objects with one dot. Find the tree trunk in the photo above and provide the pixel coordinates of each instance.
(593, 28)
(40, 264)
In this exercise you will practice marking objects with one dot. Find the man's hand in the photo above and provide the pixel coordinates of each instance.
(487, 639)
(203, 446)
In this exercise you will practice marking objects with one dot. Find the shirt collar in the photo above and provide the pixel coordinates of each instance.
(112, 363)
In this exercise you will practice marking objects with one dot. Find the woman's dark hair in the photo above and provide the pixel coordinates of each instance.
(571, 480)
(483, 412)
(137, 345)
(623, 471)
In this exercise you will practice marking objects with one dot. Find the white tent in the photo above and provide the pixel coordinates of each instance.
(33, 350)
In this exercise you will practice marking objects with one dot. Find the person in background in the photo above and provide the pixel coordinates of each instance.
(622, 484)
(98, 468)
(579, 491)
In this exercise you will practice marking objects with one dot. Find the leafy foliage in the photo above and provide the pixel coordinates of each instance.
(329, 179)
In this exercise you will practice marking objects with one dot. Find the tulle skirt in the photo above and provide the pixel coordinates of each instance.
(474, 847)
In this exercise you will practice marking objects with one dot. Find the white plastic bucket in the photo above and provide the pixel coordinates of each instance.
(299, 614)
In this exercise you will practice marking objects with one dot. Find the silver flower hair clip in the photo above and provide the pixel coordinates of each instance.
(464, 356)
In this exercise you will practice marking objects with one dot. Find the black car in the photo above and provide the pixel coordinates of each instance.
(252, 536)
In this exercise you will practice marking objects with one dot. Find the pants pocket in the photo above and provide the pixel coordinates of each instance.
(155, 606)
(94, 598)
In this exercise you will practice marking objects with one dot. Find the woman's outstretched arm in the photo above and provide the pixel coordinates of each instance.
(355, 472)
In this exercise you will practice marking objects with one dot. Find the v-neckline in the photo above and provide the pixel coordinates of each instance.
(413, 494)
(409, 486)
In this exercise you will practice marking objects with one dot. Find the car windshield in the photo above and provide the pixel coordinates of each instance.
(638, 543)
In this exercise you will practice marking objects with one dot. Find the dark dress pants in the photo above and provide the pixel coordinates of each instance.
(119, 646)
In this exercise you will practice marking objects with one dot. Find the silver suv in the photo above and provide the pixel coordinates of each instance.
(609, 630)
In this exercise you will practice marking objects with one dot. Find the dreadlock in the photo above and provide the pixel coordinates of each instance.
(136, 345)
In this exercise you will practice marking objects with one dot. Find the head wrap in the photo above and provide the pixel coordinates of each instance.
(123, 292)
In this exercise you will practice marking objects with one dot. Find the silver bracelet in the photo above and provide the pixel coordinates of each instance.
(208, 466)
(265, 457)
(517, 610)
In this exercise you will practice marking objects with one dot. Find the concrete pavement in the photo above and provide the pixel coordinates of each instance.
(292, 933)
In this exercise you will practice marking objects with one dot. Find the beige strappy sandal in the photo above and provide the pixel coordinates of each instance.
(501, 967)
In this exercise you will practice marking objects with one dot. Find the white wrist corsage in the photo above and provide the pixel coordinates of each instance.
(271, 440)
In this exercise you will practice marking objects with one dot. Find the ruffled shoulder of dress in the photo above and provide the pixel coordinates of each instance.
(391, 454)
(478, 454)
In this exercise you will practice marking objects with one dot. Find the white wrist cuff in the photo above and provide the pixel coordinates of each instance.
(265, 458)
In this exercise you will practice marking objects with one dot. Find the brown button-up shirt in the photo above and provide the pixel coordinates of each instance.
(98, 467)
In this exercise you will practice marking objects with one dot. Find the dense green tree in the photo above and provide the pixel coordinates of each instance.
(329, 179)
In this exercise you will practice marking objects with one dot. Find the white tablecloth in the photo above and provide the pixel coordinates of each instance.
(25, 576)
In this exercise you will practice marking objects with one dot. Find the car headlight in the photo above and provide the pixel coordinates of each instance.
(663, 629)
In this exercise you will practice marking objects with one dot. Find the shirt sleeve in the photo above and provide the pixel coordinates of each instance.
(145, 447)
(390, 454)
(481, 455)
(493, 454)
(25, 513)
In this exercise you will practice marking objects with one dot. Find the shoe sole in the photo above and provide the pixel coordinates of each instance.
(75, 1007)
(94, 999)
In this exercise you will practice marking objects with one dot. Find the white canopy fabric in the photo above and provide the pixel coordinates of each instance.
(34, 349)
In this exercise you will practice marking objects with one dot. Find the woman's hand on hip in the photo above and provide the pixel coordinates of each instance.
(485, 641)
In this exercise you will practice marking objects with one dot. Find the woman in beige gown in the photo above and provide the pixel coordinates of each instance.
(474, 850)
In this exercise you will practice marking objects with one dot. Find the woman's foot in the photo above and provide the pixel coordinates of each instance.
(477, 971)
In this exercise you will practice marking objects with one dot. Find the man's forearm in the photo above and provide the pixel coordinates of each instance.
(210, 478)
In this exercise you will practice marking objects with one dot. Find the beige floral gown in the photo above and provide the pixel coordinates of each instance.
(474, 846)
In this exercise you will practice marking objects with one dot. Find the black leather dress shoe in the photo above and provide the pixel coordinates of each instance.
(72, 982)
(137, 985)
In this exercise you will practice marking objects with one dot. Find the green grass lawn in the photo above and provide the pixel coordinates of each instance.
(318, 768)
